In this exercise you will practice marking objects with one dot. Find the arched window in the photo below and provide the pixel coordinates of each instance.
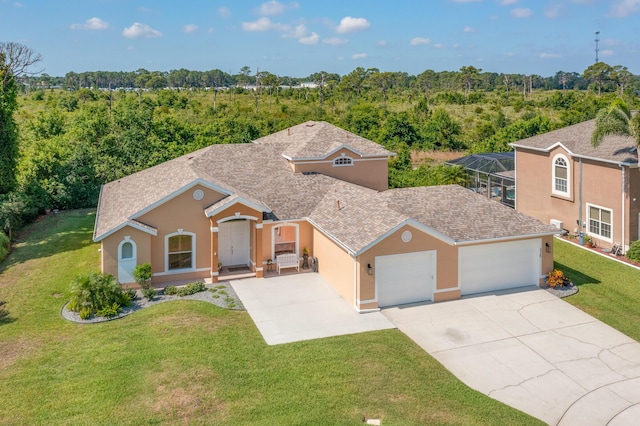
(127, 250)
(343, 161)
(180, 250)
(560, 175)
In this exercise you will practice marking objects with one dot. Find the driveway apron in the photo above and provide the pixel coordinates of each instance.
(534, 352)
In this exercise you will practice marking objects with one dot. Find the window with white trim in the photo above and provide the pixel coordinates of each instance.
(127, 250)
(343, 161)
(560, 175)
(600, 221)
(180, 251)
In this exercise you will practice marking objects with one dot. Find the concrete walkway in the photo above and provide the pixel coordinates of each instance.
(534, 352)
(295, 307)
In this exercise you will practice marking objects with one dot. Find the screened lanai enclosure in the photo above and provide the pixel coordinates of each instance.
(492, 175)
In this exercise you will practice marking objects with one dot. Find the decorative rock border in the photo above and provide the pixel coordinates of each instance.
(140, 303)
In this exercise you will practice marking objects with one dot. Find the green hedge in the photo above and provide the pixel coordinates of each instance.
(5, 244)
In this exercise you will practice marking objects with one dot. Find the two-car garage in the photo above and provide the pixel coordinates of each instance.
(411, 277)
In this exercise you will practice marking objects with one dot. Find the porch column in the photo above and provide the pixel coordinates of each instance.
(258, 251)
(214, 253)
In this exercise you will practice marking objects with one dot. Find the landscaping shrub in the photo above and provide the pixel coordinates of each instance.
(634, 251)
(170, 290)
(142, 275)
(132, 293)
(149, 293)
(5, 244)
(191, 288)
(556, 278)
(94, 291)
(109, 311)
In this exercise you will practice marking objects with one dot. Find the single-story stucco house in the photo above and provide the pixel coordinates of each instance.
(315, 186)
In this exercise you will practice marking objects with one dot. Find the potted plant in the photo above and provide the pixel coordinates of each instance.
(305, 258)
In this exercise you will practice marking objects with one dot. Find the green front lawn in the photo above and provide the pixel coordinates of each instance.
(609, 290)
(188, 362)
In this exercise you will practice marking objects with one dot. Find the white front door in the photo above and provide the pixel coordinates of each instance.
(126, 261)
(233, 243)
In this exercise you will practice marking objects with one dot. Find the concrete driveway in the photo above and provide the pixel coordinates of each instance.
(534, 352)
(295, 307)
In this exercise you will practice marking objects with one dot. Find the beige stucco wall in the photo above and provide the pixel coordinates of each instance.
(109, 248)
(368, 172)
(633, 203)
(335, 265)
(446, 263)
(601, 186)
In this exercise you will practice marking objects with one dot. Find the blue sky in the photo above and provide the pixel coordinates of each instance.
(301, 37)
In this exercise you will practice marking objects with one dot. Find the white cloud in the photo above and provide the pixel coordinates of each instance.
(549, 55)
(381, 43)
(140, 30)
(349, 25)
(508, 2)
(91, 24)
(190, 28)
(264, 24)
(554, 11)
(624, 8)
(224, 11)
(297, 32)
(417, 41)
(438, 45)
(335, 41)
(359, 56)
(312, 39)
(469, 30)
(522, 12)
(607, 52)
(271, 7)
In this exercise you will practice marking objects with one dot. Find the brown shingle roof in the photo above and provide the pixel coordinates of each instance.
(354, 215)
(577, 139)
(317, 139)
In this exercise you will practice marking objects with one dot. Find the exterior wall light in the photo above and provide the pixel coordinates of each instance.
(369, 269)
(547, 247)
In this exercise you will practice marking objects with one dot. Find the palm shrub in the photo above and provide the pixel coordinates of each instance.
(3, 312)
(94, 292)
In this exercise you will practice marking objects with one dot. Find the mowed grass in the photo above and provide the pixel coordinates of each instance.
(190, 362)
(608, 290)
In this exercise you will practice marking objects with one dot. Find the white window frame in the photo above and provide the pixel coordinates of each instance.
(274, 231)
(166, 252)
(134, 249)
(342, 161)
(599, 220)
(554, 188)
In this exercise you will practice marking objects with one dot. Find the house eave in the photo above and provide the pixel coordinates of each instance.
(509, 238)
(574, 155)
(413, 223)
(239, 200)
(130, 223)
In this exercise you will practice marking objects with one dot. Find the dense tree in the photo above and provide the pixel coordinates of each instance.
(598, 73)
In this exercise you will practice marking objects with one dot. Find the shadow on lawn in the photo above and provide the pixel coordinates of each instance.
(52, 234)
(577, 277)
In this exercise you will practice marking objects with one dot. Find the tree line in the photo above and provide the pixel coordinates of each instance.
(62, 145)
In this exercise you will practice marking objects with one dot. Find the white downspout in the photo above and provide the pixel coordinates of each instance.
(623, 207)
(355, 283)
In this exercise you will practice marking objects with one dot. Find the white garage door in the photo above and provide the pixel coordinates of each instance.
(491, 267)
(405, 278)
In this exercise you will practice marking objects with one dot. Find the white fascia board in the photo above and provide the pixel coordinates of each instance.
(330, 153)
(174, 194)
(510, 238)
(130, 223)
(574, 155)
(242, 201)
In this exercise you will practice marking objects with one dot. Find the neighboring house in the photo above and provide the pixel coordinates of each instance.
(563, 180)
(492, 175)
(318, 187)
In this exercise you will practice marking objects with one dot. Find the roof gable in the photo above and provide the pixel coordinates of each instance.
(576, 140)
